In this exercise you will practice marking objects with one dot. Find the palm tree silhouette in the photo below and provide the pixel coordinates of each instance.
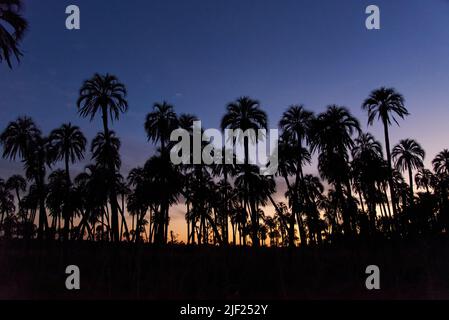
(384, 104)
(68, 143)
(245, 114)
(106, 95)
(18, 184)
(424, 178)
(93, 187)
(441, 185)
(366, 165)
(23, 139)
(295, 124)
(313, 190)
(12, 30)
(226, 167)
(441, 162)
(57, 200)
(408, 155)
(6, 202)
(160, 123)
(331, 135)
(258, 189)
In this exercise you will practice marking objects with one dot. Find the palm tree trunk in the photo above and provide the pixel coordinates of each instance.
(225, 209)
(19, 201)
(410, 175)
(43, 223)
(344, 209)
(188, 225)
(113, 194)
(134, 229)
(3, 216)
(124, 223)
(361, 201)
(390, 170)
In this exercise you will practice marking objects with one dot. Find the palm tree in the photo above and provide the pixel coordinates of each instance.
(385, 104)
(295, 124)
(57, 200)
(245, 114)
(141, 197)
(331, 135)
(226, 168)
(165, 183)
(105, 94)
(366, 165)
(440, 184)
(256, 190)
(160, 123)
(441, 162)
(313, 189)
(68, 143)
(93, 187)
(408, 155)
(290, 158)
(106, 151)
(23, 139)
(424, 178)
(18, 184)
(6, 201)
(12, 30)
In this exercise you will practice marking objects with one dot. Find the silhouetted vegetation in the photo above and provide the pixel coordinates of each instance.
(358, 195)
(12, 30)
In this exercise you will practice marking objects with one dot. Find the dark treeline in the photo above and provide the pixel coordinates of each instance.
(367, 198)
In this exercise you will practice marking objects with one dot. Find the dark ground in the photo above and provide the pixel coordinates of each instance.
(416, 269)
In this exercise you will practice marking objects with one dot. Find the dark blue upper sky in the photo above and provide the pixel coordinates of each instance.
(201, 54)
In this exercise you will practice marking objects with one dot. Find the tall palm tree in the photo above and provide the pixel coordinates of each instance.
(246, 114)
(386, 104)
(258, 189)
(12, 30)
(106, 95)
(290, 158)
(6, 201)
(23, 139)
(93, 186)
(366, 165)
(68, 143)
(165, 183)
(18, 184)
(295, 125)
(424, 178)
(313, 191)
(408, 155)
(106, 151)
(441, 162)
(225, 168)
(57, 200)
(441, 184)
(160, 123)
(331, 135)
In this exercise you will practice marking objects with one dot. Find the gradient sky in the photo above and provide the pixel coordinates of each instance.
(201, 54)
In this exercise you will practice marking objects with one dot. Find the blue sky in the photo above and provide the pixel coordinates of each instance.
(201, 54)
